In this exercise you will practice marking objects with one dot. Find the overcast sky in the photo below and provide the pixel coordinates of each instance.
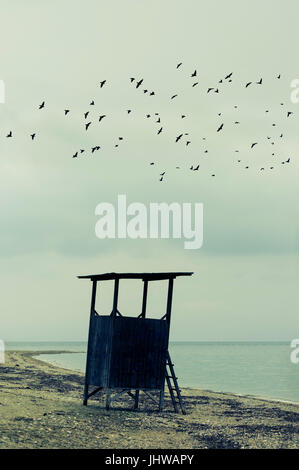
(246, 274)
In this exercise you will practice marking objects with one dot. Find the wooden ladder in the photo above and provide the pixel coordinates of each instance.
(173, 386)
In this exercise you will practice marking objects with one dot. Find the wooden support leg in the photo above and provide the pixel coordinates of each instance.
(85, 394)
(136, 400)
(108, 398)
(161, 401)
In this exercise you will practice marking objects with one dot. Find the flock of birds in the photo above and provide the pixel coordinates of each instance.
(184, 137)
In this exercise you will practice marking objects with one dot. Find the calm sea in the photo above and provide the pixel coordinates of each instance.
(259, 369)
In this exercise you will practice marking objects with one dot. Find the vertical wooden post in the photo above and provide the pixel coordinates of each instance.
(108, 398)
(161, 401)
(144, 298)
(92, 306)
(115, 297)
(136, 400)
(169, 300)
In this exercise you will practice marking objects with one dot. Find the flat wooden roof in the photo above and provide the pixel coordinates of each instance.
(143, 276)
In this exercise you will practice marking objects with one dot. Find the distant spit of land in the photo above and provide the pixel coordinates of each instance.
(41, 407)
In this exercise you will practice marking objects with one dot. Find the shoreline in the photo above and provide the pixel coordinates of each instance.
(41, 407)
(186, 387)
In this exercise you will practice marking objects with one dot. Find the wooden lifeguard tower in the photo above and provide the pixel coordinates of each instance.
(130, 353)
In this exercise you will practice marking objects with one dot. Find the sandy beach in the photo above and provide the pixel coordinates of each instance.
(41, 407)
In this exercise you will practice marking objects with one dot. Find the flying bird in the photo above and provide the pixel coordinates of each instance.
(66, 111)
(173, 96)
(102, 117)
(220, 127)
(41, 106)
(179, 137)
(228, 76)
(10, 134)
(139, 83)
(179, 65)
(102, 83)
(252, 145)
(32, 136)
(194, 74)
(247, 84)
(87, 125)
(160, 130)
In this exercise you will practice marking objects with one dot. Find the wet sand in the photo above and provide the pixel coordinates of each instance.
(41, 407)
